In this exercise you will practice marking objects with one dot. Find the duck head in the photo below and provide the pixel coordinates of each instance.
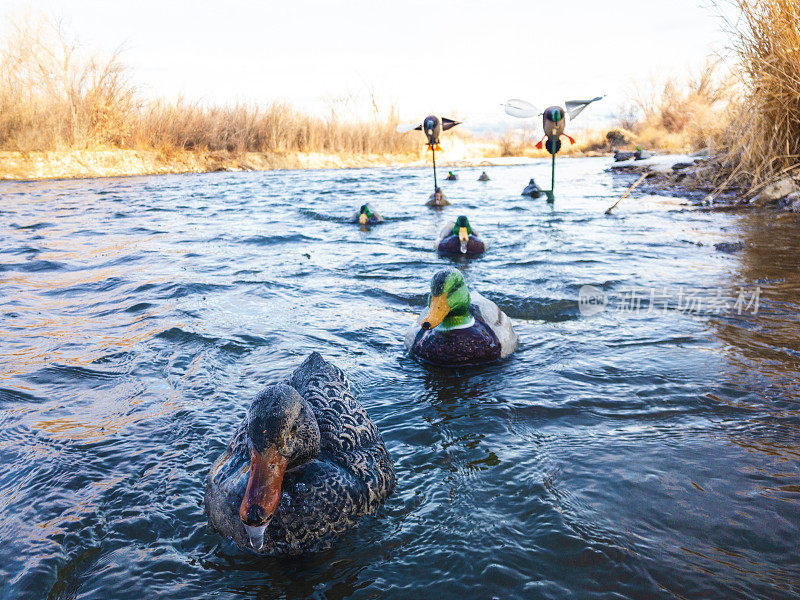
(463, 230)
(553, 116)
(365, 214)
(282, 434)
(432, 128)
(448, 302)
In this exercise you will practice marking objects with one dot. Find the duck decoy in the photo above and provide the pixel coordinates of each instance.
(451, 176)
(459, 328)
(432, 126)
(483, 177)
(302, 467)
(460, 238)
(554, 121)
(642, 154)
(621, 155)
(532, 189)
(366, 216)
(437, 199)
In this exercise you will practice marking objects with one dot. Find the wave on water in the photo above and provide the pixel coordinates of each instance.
(32, 227)
(317, 216)
(33, 266)
(270, 240)
(11, 397)
(529, 308)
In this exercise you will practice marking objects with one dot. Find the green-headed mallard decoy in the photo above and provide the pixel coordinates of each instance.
(483, 177)
(459, 328)
(302, 467)
(554, 121)
(432, 126)
(451, 176)
(460, 238)
(366, 216)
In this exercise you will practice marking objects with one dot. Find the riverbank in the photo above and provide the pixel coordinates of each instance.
(691, 175)
(117, 162)
(78, 164)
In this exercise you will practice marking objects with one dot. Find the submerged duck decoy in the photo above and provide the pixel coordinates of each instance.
(303, 466)
(437, 199)
(432, 126)
(554, 121)
(451, 176)
(483, 177)
(532, 189)
(366, 216)
(459, 328)
(460, 238)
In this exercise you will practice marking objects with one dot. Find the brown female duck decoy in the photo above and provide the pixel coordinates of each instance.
(303, 467)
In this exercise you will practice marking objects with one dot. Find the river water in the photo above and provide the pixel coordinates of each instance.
(649, 450)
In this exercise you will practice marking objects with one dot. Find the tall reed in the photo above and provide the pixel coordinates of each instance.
(681, 114)
(762, 140)
(55, 96)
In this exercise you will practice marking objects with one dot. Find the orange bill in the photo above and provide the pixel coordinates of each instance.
(462, 234)
(437, 311)
(263, 487)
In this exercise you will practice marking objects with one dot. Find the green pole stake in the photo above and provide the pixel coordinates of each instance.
(551, 197)
(435, 183)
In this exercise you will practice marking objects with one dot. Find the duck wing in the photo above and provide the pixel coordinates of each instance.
(448, 123)
(575, 107)
(322, 501)
(406, 127)
(343, 423)
(487, 311)
(446, 230)
(349, 438)
(521, 109)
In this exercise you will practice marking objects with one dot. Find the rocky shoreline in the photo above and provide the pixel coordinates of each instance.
(688, 175)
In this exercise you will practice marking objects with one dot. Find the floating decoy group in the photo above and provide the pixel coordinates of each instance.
(307, 463)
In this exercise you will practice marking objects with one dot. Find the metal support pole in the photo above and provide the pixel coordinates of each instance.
(551, 194)
(435, 183)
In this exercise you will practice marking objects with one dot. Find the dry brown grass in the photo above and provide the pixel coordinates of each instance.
(522, 144)
(681, 115)
(54, 96)
(762, 139)
(749, 120)
(277, 128)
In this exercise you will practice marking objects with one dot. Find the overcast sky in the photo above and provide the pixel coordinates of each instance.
(454, 58)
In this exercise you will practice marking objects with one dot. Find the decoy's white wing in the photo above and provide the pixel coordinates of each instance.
(522, 109)
(406, 127)
(497, 321)
(575, 107)
(446, 230)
